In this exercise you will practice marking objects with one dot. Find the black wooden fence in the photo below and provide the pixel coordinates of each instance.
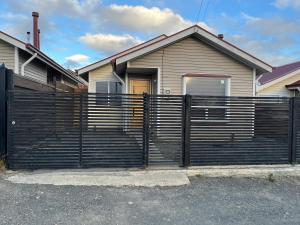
(63, 130)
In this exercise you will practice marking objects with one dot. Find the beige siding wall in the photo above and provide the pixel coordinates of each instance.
(190, 55)
(279, 88)
(7, 54)
(35, 70)
(101, 74)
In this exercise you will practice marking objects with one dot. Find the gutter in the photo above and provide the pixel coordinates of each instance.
(26, 63)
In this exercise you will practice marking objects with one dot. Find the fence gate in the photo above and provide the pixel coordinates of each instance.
(61, 130)
(166, 127)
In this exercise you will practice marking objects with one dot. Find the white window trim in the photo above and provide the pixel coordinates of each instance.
(226, 107)
(227, 88)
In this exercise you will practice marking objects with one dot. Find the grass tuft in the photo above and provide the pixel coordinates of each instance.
(2, 166)
(271, 177)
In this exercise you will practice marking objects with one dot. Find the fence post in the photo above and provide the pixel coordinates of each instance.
(80, 128)
(292, 131)
(187, 130)
(146, 113)
(2, 111)
(183, 127)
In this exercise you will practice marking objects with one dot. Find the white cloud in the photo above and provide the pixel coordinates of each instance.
(78, 58)
(281, 4)
(250, 18)
(147, 20)
(76, 61)
(263, 49)
(109, 44)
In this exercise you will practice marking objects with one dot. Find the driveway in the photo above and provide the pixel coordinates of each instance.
(206, 201)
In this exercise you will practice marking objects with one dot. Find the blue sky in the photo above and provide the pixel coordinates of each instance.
(79, 32)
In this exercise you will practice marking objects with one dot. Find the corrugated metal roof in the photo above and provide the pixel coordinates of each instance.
(279, 72)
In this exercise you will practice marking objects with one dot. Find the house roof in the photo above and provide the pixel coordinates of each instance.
(110, 58)
(279, 72)
(40, 55)
(195, 31)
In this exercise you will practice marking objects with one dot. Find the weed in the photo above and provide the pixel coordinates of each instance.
(2, 166)
(271, 177)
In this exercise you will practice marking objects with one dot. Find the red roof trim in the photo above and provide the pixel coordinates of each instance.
(206, 75)
(295, 84)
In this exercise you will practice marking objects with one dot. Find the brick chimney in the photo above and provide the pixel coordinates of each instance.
(36, 35)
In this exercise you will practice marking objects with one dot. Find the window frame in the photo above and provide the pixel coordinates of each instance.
(108, 102)
(206, 108)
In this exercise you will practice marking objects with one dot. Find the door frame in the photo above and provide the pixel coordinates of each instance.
(158, 77)
(133, 77)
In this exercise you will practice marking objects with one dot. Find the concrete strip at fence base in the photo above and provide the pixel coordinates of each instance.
(144, 178)
(259, 171)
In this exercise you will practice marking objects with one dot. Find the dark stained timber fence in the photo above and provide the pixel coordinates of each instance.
(43, 130)
(61, 130)
(66, 130)
(239, 130)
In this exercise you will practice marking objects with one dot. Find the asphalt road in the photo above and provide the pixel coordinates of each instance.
(207, 201)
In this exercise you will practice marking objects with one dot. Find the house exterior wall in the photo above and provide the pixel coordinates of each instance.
(35, 70)
(104, 73)
(7, 53)
(279, 88)
(190, 55)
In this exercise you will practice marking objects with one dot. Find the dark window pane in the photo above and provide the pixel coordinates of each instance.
(101, 87)
(115, 88)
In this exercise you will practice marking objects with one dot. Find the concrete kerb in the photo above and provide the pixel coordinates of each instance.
(146, 178)
(253, 171)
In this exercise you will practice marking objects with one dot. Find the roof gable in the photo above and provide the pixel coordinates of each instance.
(202, 34)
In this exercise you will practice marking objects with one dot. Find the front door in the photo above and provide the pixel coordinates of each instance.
(138, 86)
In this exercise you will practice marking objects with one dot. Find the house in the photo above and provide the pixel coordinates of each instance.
(283, 81)
(33, 69)
(192, 61)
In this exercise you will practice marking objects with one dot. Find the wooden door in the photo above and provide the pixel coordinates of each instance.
(138, 86)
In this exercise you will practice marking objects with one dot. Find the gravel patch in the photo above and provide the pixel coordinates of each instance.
(207, 201)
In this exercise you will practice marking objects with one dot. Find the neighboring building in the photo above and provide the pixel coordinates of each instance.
(283, 81)
(34, 70)
(192, 61)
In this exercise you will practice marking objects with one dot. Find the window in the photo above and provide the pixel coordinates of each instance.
(213, 107)
(109, 87)
(207, 86)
